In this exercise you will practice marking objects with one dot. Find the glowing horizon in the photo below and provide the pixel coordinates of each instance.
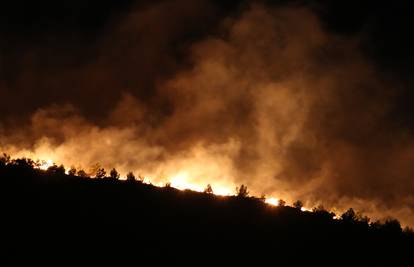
(181, 180)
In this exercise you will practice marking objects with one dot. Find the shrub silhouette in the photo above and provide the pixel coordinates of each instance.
(82, 173)
(114, 174)
(322, 213)
(262, 198)
(349, 216)
(208, 189)
(23, 163)
(362, 219)
(56, 170)
(281, 203)
(141, 178)
(242, 191)
(391, 226)
(4, 159)
(72, 171)
(409, 231)
(100, 173)
(298, 204)
(130, 177)
(319, 208)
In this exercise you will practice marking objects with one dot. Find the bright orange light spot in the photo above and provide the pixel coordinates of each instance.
(222, 191)
(272, 201)
(180, 181)
(45, 164)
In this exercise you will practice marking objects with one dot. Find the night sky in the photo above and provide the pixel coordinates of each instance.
(307, 100)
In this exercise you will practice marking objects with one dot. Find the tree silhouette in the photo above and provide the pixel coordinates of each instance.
(391, 226)
(322, 213)
(208, 189)
(263, 198)
(56, 170)
(23, 163)
(114, 174)
(72, 171)
(319, 208)
(4, 159)
(141, 178)
(362, 218)
(409, 231)
(82, 173)
(242, 191)
(130, 177)
(349, 215)
(100, 173)
(298, 204)
(281, 203)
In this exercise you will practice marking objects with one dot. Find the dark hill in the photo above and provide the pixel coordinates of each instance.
(51, 216)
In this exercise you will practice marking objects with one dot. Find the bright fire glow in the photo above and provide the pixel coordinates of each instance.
(222, 191)
(180, 181)
(272, 201)
(45, 164)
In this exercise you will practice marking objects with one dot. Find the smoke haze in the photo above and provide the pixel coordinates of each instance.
(266, 96)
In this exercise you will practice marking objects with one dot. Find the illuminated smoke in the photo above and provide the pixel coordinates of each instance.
(272, 101)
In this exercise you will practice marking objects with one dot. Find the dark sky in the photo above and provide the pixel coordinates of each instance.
(51, 35)
(297, 99)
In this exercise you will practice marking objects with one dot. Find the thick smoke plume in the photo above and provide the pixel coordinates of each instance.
(268, 99)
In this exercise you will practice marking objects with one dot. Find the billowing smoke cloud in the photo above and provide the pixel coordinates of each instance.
(268, 99)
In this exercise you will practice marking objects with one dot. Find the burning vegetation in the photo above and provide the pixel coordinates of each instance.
(56, 213)
(49, 169)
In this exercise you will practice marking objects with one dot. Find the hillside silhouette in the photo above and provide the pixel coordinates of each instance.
(52, 216)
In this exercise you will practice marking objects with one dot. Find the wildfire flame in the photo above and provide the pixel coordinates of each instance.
(45, 164)
(181, 180)
(272, 201)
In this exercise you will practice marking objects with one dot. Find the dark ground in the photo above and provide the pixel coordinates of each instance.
(56, 218)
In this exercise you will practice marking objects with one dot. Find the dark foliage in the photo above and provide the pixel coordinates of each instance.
(298, 204)
(131, 177)
(100, 173)
(48, 214)
(55, 170)
(281, 203)
(208, 189)
(114, 174)
(72, 171)
(242, 191)
(82, 174)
